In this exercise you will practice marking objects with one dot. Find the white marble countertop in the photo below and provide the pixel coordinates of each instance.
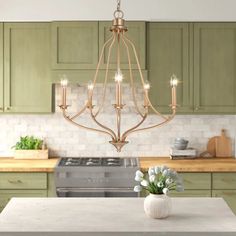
(114, 216)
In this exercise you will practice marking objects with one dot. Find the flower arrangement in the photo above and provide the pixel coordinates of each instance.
(159, 180)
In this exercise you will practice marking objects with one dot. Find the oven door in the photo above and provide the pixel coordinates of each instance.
(96, 192)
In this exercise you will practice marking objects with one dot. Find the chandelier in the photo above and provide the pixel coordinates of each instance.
(119, 138)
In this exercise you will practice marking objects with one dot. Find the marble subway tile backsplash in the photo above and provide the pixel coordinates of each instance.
(64, 139)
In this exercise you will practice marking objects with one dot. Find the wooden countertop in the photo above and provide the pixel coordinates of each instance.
(13, 165)
(215, 164)
(196, 165)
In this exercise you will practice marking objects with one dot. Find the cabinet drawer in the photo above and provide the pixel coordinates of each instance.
(23, 181)
(192, 193)
(6, 195)
(196, 180)
(229, 196)
(224, 180)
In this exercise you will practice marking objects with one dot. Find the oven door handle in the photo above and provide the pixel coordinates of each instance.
(93, 192)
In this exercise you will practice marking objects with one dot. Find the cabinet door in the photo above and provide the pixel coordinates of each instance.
(1, 67)
(74, 45)
(167, 54)
(191, 193)
(228, 195)
(27, 84)
(6, 195)
(214, 67)
(136, 33)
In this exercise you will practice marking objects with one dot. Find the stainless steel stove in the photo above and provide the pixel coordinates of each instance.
(96, 177)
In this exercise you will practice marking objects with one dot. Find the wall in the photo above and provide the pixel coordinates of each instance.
(64, 139)
(161, 10)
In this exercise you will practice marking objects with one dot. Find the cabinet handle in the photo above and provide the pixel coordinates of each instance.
(15, 181)
(1, 108)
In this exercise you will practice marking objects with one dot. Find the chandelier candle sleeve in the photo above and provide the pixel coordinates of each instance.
(118, 80)
(173, 83)
(146, 90)
(64, 83)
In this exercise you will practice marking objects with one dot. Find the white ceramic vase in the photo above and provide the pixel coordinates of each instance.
(157, 206)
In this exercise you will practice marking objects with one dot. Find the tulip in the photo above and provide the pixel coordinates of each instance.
(144, 183)
(151, 171)
(165, 190)
(137, 188)
(152, 178)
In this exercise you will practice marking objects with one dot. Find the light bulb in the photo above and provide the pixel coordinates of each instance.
(90, 85)
(64, 82)
(118, 76)
(146, 85)
(173, 81)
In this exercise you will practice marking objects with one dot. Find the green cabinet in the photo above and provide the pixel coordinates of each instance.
(224, 185)
(168, 50)
(136, 33)
(214, 67)
(6, 195)
(74, 45)
(27, 82)
(1, 67)
(25, 184)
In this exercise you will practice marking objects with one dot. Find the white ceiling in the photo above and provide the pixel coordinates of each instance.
(160, 10)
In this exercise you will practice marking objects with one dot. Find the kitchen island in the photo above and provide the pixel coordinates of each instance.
(114, 216)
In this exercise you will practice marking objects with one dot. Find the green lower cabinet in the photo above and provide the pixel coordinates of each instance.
(51, 189)
(25, 185)
(6, 195)
(194, 181)
(191, 193)
(228, 195)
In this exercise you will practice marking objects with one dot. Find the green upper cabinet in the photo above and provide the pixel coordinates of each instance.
(168, 53)
(74, 45)
(214, 67)
(1, 67)
(136, 33)
(27, 84)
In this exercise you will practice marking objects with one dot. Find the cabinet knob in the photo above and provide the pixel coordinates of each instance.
(8, 108)
(196, 108)
(1, 108)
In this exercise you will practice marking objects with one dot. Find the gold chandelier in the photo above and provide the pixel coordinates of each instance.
(118, 138)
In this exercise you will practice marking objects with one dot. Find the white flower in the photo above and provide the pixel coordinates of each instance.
(152, 178)
(144, 183)
(163, 168)
(169, 181)
(157, 169)
(139, 176)
(165, 190)
(165, 172)
(137, 188)
(160, 184)
(151, 171)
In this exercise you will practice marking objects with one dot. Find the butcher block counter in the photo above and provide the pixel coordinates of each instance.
(13, 165)
(114, 216)
(216, 164)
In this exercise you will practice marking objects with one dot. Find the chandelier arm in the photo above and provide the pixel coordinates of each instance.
(126, 133)
(110, 131)
(80, 112)
(131, 79)
(142, 79)
(107, 67)
(84, 127)
(154, 126)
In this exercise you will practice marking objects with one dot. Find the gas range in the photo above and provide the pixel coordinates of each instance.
(91, 162)
(96, 177)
